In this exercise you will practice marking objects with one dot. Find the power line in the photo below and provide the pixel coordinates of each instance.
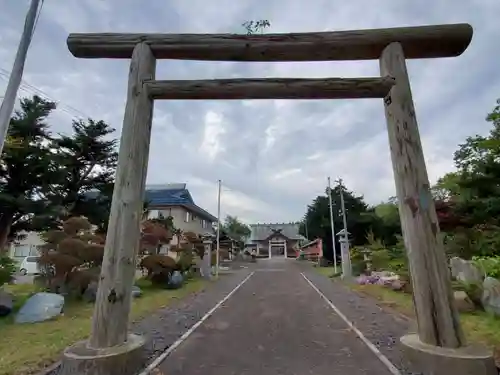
(27, 87)
(15, 77)
(37, 17)
(33, 90)
(30, 89)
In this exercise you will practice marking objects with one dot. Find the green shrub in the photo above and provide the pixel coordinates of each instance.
(398, 262)
(467, 243)
(335, 274)
(380, 260)
(358, 263)
(489, 265)
(7, 269)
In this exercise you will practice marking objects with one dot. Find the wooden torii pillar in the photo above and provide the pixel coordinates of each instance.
(111, 349)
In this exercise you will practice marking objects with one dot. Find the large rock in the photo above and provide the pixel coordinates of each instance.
(491, 295)
(365, 280)
(136, 292)
(397, 285)
(465, 271)
(463, 302)
(383, 274)
(6, 302)
(90, 293)
(385, 278)
(175, 281)
(40, 307)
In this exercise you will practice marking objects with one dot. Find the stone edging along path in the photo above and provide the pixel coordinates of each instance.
(382, 328)
(164, 327)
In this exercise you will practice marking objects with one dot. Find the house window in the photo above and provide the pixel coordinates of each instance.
(34, 250)
(203, 224)
(21, 250)
(189, 216)
(153, 214)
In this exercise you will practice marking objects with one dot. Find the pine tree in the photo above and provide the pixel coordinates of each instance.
(87, 160)
(26, 169)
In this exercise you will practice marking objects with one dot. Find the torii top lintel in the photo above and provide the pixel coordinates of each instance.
(418, 42)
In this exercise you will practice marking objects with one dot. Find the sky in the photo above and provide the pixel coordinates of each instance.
(273, 156)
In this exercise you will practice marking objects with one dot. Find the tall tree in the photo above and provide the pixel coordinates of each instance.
(388, 212)
(468, 200)
(27, 169)
(359, 219)
(87, 160)
(235, 229)
(447, 187)
(477, 181)
(387, 224)
(11, 142)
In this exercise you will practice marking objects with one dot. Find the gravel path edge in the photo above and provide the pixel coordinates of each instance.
(382, 328)
(165, 326)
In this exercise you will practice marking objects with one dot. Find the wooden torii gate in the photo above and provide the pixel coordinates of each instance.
(111, 349)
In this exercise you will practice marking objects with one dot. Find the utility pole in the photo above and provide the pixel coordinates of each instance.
(332, 227)
(16, 74)
(344, 246)
(218, 232)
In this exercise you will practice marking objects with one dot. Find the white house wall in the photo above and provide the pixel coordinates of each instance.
(27, 246)
(181, 220)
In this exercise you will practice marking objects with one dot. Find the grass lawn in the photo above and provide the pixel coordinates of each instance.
(26, 348)
(479, 327)
(327, 271)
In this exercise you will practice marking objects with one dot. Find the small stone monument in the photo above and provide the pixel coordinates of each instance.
(206, 266)
(344, 252)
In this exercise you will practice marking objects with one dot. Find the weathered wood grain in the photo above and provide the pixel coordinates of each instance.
(272, 88)
(112, 308)
(437, 318)
(417, 42)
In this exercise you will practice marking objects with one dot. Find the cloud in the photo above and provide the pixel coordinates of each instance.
(273, 156)
(211, 145)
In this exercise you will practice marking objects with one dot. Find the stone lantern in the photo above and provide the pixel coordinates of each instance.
(344, 252)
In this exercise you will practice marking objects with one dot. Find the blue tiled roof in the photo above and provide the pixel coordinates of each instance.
(158, 197)
(162, 197)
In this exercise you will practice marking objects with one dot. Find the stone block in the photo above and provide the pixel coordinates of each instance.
(126, 359)
(435, 360)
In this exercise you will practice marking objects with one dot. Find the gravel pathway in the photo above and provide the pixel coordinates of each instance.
(276, 323)
(165, 326)
(382, 328)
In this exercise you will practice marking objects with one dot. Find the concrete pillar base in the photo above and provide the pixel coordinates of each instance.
(435, 360)
(125, 359)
